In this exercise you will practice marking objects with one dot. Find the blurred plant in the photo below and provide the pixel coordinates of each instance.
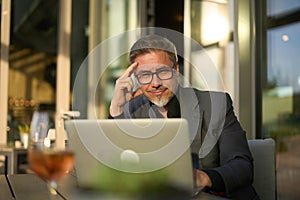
(154, 185)
(23, 128)
(280, 132)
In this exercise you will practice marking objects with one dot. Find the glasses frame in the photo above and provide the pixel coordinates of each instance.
(156, 73)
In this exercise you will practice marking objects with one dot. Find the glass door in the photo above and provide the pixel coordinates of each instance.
(32, 67)
(108, 39)
(35, 67)
(281, 92)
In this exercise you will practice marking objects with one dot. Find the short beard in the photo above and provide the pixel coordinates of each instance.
(162, 103)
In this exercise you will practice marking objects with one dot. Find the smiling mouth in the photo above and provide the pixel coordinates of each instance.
(157, 92)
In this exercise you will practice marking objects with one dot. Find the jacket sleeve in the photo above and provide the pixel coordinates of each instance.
(236, 167)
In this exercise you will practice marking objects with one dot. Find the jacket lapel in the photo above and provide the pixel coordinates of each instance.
(190, 110)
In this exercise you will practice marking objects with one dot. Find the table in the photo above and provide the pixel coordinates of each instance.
(11, 157)
(31, 187)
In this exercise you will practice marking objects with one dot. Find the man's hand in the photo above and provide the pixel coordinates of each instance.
(123, 91)
(202, 179)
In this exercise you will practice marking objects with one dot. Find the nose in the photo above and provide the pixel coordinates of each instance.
(155, 81)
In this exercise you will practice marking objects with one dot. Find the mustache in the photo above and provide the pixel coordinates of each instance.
(159, 88)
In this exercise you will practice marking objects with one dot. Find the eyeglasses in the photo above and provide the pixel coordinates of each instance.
(163, 73)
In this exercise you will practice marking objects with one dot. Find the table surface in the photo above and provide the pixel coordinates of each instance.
(31, 187)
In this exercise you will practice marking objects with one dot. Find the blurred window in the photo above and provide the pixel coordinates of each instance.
(281, 91)
(281, 7)
(32, 61)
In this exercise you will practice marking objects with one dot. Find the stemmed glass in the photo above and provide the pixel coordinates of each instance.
(49, 162)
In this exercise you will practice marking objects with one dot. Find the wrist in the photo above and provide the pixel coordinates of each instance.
(202, 179)
(217, 181)
(115, 111)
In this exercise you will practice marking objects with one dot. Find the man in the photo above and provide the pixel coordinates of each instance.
(221, 156)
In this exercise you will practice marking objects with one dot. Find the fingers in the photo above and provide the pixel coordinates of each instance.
(123, 91)
(202, 179)
(129, 70)
(125, 84)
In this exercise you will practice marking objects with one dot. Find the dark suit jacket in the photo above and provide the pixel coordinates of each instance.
(216, 135)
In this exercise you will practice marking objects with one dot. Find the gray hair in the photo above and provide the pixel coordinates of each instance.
(152, 43)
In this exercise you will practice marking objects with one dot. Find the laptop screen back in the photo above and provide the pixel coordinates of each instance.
(108, 151)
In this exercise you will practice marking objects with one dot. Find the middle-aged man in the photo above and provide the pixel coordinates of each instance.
(221, 156)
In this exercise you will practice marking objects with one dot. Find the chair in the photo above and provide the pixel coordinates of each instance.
(263, 152)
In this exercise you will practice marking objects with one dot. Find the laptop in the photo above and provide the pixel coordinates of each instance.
(146, 152)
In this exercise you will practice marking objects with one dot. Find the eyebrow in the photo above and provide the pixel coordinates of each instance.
(162, 67)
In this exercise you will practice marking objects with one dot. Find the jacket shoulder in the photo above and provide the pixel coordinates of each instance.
(205, 94)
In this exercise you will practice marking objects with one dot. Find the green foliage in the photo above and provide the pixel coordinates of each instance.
(126, 185)
(115, 181)
(280, 132)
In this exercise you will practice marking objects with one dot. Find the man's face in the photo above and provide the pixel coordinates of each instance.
(157, 91)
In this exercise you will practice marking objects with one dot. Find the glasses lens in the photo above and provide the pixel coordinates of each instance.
(145, 77)
(162, 73)
(165, 74)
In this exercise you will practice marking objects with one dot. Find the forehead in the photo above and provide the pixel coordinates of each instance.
(153, 60)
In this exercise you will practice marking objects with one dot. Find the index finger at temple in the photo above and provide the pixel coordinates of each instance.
(130, 69)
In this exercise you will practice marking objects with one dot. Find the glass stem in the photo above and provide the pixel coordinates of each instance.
(52, 187)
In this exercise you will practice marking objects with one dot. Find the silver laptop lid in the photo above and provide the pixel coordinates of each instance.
(140, 147)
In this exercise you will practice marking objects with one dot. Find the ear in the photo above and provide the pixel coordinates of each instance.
(177, 67)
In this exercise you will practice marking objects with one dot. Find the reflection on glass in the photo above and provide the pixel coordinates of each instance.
(212, 67)
(32, 62)
(281, 105)
(277, 7)
(115, 10)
